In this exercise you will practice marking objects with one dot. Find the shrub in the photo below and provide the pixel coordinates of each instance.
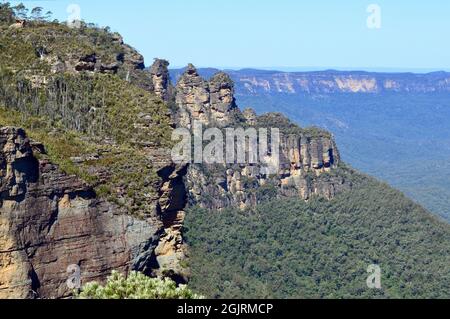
(136, 286)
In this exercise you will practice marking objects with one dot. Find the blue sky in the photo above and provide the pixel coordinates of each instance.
(283, 33)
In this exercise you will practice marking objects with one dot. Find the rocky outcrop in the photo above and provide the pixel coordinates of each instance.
(250, 116)
(131, 58)
(159, 73)
(307, 160)
(86, 63)
(222, 101)
(192, 98)
(19, 24)
(171, 249)
(126, 59)
(50, 221)
(209, 102)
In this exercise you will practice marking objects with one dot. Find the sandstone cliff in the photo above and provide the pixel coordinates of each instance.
(307, 168)
(308, 156)
(49, 221)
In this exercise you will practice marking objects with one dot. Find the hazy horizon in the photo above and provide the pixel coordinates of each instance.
(318, 68)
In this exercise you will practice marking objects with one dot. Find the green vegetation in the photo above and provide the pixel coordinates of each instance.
(98, 116)
(321, 249)
(24, 48)
(287, 127)
(425, 181)
(61, 145)
(136, 286)
(7, 15)
(101, 127)
(125, 180)
(99, 105)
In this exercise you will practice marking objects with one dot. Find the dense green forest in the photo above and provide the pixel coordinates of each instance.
(397, 137)
(321, 249)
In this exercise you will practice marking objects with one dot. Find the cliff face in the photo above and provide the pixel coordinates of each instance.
(306, 169)
(49, 221)
(307, 157)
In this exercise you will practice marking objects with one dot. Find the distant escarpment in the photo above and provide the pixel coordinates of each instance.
(260, 82)
(308, 157)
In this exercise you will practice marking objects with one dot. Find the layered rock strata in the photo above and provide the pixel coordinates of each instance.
(50, 221)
